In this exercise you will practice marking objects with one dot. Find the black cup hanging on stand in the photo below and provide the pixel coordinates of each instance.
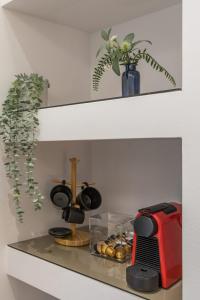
(89, 198)
(61, 195)
(73, 215)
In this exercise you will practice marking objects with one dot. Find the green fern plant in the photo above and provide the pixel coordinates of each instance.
(126, 52)
(19, 126)
(154, 64)
(104, 62)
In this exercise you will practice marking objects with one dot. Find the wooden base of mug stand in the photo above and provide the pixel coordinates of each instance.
(81, 238)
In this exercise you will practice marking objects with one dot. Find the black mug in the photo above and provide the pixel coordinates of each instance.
(73, 215)
(89, 198)
(61, 196)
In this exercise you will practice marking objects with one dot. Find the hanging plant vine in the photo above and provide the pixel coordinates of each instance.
(19, 126)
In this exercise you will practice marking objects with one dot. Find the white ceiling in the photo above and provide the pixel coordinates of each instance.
(89, 15)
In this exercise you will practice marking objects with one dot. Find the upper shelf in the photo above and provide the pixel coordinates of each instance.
(149, 116)
(63, 11)
(69, 69)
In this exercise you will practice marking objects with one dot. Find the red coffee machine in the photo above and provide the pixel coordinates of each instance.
(157, 248)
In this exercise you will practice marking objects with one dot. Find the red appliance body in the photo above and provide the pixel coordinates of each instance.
(162, 251)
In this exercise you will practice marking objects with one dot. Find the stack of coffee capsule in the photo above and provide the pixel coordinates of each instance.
(116, 247)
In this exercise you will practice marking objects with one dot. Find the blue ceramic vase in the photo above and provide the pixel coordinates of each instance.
(130, 81)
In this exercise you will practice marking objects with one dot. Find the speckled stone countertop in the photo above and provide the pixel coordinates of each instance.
(79, 259)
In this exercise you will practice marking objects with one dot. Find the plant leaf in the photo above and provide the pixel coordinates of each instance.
(104, 35)
(155, 65)
(99, 70)
(99, 51)
(129, 37)
(142, 41)
(115, 66)
(109, 32)
(20, 133)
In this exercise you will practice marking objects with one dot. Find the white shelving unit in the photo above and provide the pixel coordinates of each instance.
(57, 281)
(162, 115)
(151, 116)
(40, 273)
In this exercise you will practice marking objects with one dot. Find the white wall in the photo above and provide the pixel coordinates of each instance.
(132, 174)
(59, 53)
(32, 45)
(164, 29)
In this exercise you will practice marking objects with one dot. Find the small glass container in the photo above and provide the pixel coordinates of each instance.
(111, 236)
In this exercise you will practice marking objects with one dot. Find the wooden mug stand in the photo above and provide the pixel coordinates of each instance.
(78, 237)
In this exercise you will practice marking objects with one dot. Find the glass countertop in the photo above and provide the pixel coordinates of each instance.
(79, 259)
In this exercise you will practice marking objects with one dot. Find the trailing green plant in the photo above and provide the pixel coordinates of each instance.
(127, 52)
(19, 126)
